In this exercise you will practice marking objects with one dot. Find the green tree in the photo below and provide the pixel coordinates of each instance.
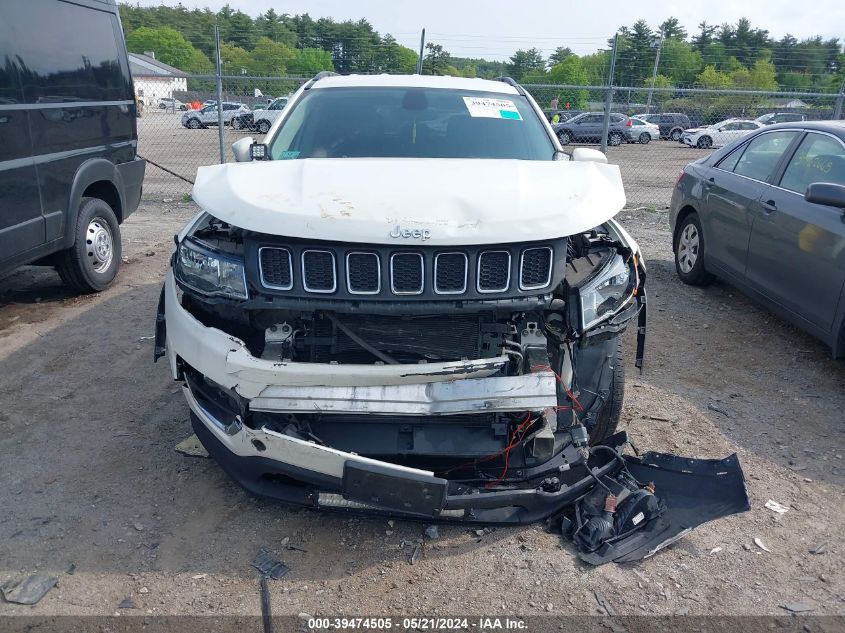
(235, 60)
(169, 47)
(672, 29)
(270, 58)
(523, 62)
(680, 62)
(569, 72)
(706, 35)
(436, 60)
(714, 79)
(309, 61)
(560, 54)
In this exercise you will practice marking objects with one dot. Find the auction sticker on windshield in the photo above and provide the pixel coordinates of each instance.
(492, 108)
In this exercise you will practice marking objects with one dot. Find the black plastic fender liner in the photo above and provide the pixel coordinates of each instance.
(693, 492)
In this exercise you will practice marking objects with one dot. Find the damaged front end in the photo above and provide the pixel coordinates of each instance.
(475, 384)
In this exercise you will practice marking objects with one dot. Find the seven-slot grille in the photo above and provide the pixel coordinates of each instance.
(276, 268)
(376, 272)
(535, 269)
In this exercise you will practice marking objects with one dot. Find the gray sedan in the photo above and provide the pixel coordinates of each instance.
(767, 215)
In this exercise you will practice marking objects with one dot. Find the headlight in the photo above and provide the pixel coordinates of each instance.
(209, 272)
(607, 293)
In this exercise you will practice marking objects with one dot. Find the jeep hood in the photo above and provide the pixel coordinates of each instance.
(458, 201)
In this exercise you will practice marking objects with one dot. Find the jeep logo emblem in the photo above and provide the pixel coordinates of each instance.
(419, 234)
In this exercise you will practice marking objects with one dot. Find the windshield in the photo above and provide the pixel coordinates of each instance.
(412, 123)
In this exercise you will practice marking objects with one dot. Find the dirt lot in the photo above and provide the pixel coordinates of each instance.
(94, 493)
(648, 170)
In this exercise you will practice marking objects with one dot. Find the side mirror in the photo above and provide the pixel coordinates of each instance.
(240, 149)
(826, 193)
(588, 155)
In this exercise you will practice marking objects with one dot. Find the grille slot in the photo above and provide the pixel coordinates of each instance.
(276, 268)
(318, 271)
(535, 269)
(363, 273)
(450, 273)
(494, 271)
(406, 273)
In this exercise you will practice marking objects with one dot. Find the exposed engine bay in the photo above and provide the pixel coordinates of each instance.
(479, 384)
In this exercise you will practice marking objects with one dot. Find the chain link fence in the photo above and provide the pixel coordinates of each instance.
(177, 137)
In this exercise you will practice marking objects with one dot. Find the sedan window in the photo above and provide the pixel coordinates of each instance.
(762, 155)
(819, 158)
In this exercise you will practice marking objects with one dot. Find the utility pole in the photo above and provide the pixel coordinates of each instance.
(654, 73)
(422, 48)
(609, 98)
(219, 94)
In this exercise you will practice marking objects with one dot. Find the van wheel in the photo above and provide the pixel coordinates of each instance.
(91, 264)
(614, 138)
(608, 418)
(675, 135)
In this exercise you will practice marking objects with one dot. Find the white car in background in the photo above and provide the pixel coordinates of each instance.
(195, 119)
(643, 131)
(264, 119)
(719, 134)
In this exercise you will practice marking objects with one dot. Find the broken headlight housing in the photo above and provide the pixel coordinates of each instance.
(210, 272)
(606, 293)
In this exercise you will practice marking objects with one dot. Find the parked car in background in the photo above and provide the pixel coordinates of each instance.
(780, 117)
(243, 121)
(169, 103)
(644, 132)
(719, 134)
(195, 119)
(563, 115)
(69, 174)
(767, 215)
(671, 124)
(264, 119)
(587, 128)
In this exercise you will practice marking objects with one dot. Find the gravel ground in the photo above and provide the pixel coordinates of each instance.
(94, 493)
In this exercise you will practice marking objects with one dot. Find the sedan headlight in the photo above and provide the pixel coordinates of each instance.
(607, 293)
(210, 272)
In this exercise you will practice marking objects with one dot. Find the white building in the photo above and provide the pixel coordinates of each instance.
(153, 79)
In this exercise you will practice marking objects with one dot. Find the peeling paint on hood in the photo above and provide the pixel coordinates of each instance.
(435, 201)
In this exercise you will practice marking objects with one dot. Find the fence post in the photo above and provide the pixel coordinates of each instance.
(219, 93)
(654, 74)
(608, 102)
(837, 109)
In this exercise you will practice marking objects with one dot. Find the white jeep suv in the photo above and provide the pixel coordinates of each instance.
(409, 301)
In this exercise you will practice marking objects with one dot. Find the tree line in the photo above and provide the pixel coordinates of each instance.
(714, 56)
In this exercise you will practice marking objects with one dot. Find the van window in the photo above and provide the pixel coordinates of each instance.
(67, 52)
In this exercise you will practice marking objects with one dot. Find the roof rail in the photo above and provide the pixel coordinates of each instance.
(318, 77)
(511, 82)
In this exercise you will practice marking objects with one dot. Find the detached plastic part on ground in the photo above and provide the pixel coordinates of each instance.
(650, 502)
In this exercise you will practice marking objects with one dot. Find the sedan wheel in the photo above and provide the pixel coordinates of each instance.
(564, 138)
(194, 124)
(705, 142)
(645, 138)
(689, 252)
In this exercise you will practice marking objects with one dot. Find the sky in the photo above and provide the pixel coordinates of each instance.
(494, 29)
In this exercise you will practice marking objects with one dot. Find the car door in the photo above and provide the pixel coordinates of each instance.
(208, 115)
(22, 225)
(796, 256)
(727, 133)
(732, 195)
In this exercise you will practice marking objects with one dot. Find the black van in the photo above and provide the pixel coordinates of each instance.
(69, 173)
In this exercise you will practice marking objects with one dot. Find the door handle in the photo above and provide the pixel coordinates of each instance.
(769, 207)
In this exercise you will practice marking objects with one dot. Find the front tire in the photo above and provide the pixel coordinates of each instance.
(564, 138)
(675, 135)
(614, 139)
(236, 124)
(645, 138)
(705, 142)
(263, 126)
(194, 124)
(689, 252)
(608, 418)
(91, 264)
